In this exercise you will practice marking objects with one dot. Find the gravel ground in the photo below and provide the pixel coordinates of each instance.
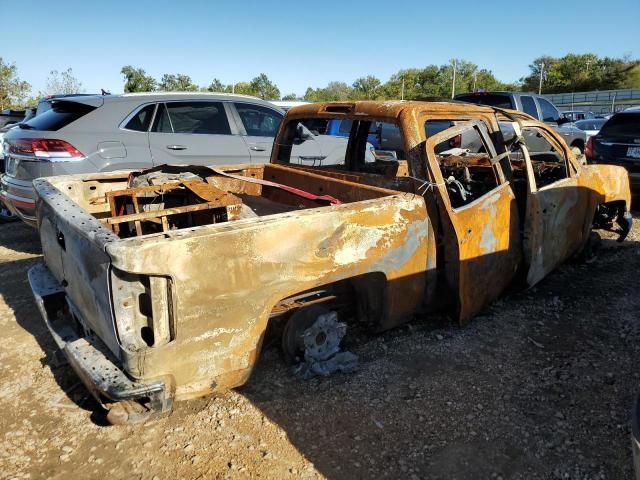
(538, 386)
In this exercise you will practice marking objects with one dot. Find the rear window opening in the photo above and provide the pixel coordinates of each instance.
(61, 114)
(491, 99)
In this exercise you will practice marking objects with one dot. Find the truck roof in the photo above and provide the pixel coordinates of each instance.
(388, 109)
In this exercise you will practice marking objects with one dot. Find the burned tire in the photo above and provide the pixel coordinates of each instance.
(292, 340)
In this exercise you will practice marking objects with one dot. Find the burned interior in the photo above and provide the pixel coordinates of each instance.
(166, 198)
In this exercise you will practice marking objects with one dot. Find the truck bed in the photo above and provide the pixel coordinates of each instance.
(165, 199)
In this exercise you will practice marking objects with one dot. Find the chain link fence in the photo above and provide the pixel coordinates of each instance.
(599, 101)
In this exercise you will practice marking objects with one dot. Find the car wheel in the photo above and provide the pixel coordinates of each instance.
(6, 215)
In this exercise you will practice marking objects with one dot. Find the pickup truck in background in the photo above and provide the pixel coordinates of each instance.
(538, 107)
(158, 285)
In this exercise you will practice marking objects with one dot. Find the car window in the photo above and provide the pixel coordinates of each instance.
(61, 114)
(345, 127)
(465, 163)
(547, 159)
(162, 123)
(376, 145)
(431, 127)
(258, 120)
(142, 119)
(549, 112)
(195, 117)
(529, 106)
(499, 100)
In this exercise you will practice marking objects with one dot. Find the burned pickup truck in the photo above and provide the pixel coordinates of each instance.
(159, 285)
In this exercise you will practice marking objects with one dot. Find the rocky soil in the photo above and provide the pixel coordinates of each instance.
(540, 386)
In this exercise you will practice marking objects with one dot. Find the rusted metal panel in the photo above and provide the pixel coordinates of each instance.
(560, 215)
(482, 242)
(228, 280)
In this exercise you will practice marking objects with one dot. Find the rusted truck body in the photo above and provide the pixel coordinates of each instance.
(159, 286)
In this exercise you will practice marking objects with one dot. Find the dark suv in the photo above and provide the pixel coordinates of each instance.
(618, 143)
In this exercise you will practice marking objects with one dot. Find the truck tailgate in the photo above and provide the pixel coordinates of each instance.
(73, 244)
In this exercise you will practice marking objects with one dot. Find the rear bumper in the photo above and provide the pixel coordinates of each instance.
(20, 197)
(87, 355)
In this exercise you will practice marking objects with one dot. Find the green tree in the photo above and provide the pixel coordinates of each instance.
(581, 72)
(177, 83)
(244, 88)
(265, 88)
(13, 91)
(333, 92)
(291, 96)
(62, 83)
(337, 92)
(402, 84)
(366, 87)
(217, 86)
(137, 80)
(632, 79)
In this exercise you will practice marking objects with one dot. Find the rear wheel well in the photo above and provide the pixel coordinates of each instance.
(361, 297)
(607, 213)
(578, 144)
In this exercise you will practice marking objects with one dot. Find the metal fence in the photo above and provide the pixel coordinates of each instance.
(599, 101)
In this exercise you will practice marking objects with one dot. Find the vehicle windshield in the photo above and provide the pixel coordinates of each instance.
(499, 100)
(622, 125)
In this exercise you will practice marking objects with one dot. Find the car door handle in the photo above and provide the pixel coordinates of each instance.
(566, 134)
(177, 147)
(257, 149)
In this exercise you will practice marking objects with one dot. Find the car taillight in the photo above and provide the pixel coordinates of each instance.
(588, 149)
(46, 149)
(456, 141)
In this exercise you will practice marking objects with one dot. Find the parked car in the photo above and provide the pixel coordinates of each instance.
(591, 126)
(156, 293)
(100, 133)
(287, 104)
(575, 115)
(535, 105)
(5, 213)
(618, 143)
(8, 117)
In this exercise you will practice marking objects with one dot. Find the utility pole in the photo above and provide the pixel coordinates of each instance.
(402, 90)
(475, 76)
(541, 74)
(588, 62)
(613, 103)
(453, 84)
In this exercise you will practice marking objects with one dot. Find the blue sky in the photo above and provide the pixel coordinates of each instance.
(302, 43)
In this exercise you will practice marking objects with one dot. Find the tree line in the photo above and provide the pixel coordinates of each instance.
(571, 73)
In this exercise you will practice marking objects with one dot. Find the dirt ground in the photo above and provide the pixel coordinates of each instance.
(539, 386)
